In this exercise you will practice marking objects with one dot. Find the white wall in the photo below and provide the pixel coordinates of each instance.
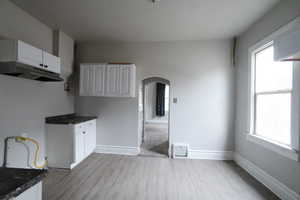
(150, 101)
(25, 103)
(201, 77)
(284, 169)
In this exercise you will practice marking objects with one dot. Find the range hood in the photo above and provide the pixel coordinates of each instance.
(29, 72)
(287, 45)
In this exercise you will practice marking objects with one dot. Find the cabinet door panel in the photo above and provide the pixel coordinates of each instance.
(51, 63)
(99, 79)
(30, 55)
(87, 78)
(90, 137)
(125, 80)
(112, 80)
(79, 145)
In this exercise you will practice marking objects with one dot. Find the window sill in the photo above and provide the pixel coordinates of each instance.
(274, 146)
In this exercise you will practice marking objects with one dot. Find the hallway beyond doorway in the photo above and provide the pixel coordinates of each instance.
(156, 140)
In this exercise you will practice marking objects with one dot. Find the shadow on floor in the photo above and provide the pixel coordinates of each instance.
(156, 142)
(161, 148)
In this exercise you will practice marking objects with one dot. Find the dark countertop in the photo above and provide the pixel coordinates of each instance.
(14, 181)
(69, 119)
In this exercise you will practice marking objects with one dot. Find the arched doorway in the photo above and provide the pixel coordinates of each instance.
(156, 114)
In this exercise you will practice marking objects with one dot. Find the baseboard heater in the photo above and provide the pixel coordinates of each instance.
(180, 150)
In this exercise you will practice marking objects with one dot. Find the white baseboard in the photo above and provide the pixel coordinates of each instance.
(121, 150)
(153, 121)
(210, 155)
(270, 182)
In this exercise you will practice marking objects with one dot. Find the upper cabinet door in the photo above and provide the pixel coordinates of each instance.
(87, 79)
(112, 80)
(29, 55)
(51, 63)
(127, 80)
(99, 70)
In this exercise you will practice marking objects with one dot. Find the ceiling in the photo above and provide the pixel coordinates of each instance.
(143, 21)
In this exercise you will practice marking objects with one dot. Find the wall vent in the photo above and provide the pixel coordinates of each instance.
(180, 150)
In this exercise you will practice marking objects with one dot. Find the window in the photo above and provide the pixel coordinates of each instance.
(272, 98)
(272, 92)
(167, 98)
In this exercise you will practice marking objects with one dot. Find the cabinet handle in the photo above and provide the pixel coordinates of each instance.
(41, 65)
(46, 66)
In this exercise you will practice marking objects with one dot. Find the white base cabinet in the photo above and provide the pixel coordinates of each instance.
(33, 193)
(107, 80)
(69, 144)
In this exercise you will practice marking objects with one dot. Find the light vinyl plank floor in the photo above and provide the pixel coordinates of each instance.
(116, 177)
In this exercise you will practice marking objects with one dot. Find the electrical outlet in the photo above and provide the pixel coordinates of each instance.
(175, 100)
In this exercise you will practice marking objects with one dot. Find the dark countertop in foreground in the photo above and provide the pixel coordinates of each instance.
(15, 181)
(69, 119)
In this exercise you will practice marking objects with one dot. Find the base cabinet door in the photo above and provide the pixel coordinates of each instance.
(79, 147)
(85, 140)
(90, 137)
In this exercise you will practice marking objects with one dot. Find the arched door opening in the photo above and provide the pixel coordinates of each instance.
(156, 111)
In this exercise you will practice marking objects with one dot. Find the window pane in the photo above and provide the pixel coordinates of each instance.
(167, 98)
(273, 113)
(271, 75)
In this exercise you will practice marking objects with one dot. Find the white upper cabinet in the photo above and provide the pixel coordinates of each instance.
(109, 80)
(29, 55)
(51, 63)
(18, 51)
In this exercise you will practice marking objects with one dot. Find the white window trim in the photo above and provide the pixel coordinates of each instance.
(279, 148)
(284, 150)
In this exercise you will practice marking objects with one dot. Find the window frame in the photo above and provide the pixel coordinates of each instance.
(290, 151)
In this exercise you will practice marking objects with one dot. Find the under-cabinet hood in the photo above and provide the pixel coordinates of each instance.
(29, 72)
(287, 45)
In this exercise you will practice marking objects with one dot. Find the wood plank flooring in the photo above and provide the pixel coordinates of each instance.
(156, 141)
(114, 177)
